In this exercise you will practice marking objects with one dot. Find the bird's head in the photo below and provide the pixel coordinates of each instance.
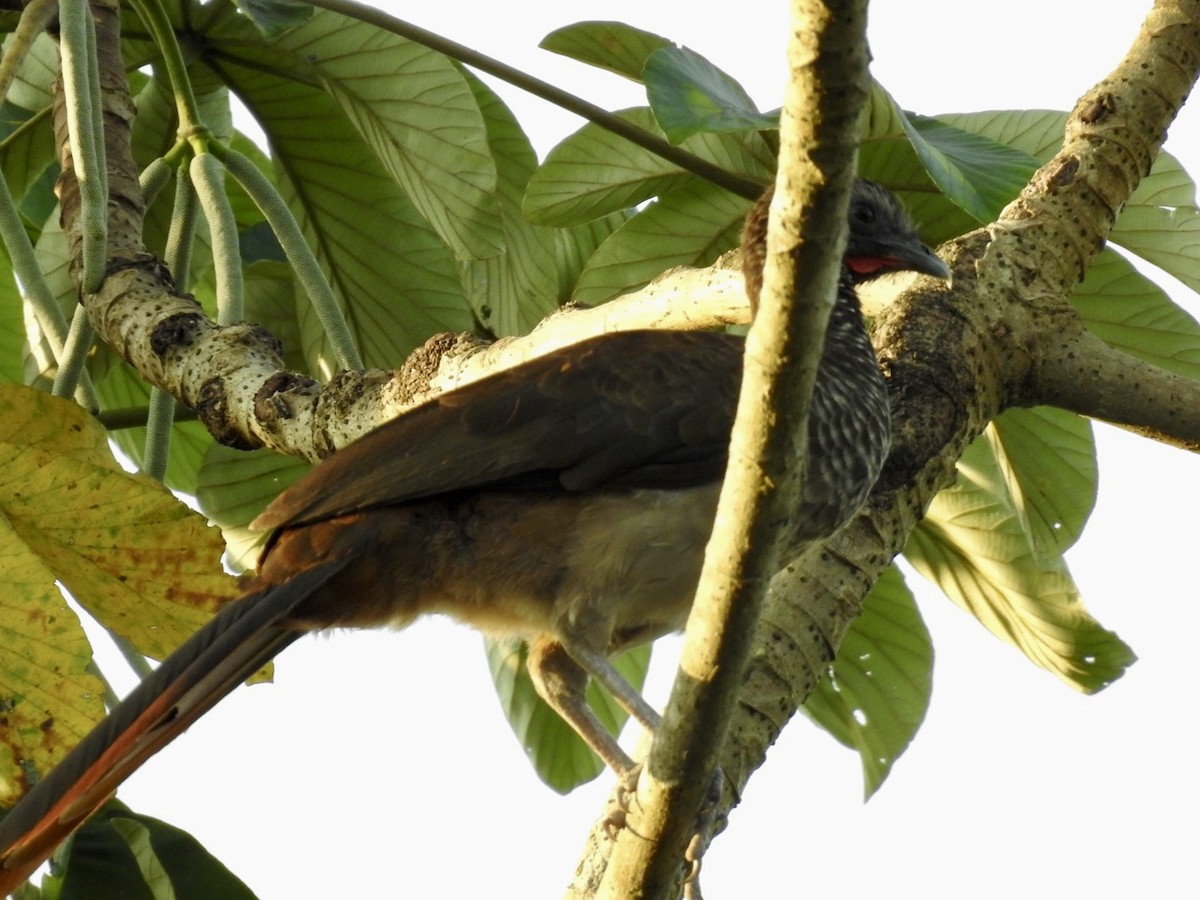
(882, 239)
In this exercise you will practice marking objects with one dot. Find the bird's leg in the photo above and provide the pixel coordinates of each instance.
(601, 668)
(561, 681)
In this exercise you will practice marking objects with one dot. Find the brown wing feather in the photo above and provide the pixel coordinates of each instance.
(621, 410)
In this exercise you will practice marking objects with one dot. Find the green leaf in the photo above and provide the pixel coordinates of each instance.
(274, 17)
(1048, 460)
(234, 486)
(559, 756)
(594, 173)
(1036, 132)
(32, 87)
(690, 225)
(513, 291)
(878, 688)
(979, 175)
(416, 111)
(613, 46)
(12, 324)
(1128, 311)
(394, 276)
(137, 836)
(887, 155)
(1169, 237)
(972, 545)
(689, 95)
(30, 168)
(120, 853)
(574, 246)
(1160, 222)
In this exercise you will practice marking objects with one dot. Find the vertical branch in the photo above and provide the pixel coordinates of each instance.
(826, 91)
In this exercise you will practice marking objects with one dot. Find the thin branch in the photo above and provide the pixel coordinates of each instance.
(819, 135)
(735, 184)
(1089, 377)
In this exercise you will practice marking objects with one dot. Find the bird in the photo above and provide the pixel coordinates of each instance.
(566, 501)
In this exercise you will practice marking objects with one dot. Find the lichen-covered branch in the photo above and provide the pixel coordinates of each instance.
(956, 358)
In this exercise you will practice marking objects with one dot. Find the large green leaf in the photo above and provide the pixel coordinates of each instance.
(594, 172)
(614, 46)
(120, 853)
(574, 246)
(972, 545)
(877, 690)
(1128, 311)
(1160, 222)
(394, 276)
(978, 174)
(1048, 460)
(29, 164)
(559, 756)
(515, 290)
(1168, 237)
(416, 111)
(32, 86)
(12, 325)
(887, 155)
(689, 225)
(1037, 132)
(689, 95)
(274, 17)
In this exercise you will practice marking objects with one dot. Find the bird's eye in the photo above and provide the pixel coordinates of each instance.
(863, 213)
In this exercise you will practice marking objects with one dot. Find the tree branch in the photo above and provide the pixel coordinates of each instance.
(819, 133)
(955, 359)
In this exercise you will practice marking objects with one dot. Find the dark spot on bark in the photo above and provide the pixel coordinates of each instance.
(1100, 108)
(269, 402)
(212, 410)
(174, 331)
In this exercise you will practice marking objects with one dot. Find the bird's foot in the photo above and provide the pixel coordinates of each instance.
(705, 820)
(626, 791)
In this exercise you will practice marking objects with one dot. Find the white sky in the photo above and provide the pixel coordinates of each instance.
(379, 765)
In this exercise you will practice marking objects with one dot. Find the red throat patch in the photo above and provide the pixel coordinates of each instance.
(870, 265)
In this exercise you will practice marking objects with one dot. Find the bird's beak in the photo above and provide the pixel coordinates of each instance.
(905, 256)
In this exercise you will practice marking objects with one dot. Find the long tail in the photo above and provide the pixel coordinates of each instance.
(237, 642)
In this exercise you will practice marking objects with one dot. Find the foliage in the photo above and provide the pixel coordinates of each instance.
(425, 210)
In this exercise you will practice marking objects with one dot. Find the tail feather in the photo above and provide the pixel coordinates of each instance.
(237, 642)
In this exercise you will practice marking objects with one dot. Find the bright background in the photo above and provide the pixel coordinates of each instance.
(379, 765)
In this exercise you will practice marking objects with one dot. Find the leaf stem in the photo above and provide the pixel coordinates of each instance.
(75, 351)
(34, 19)
(191, 124)
(304, 263)
(36, 291)
(81, 89)
(208, 179)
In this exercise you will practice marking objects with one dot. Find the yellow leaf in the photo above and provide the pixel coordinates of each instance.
(132, 555)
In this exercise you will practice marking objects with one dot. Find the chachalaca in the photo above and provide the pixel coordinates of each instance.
(566, 501)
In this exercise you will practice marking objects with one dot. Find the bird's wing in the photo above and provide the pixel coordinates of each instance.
(626, 409)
